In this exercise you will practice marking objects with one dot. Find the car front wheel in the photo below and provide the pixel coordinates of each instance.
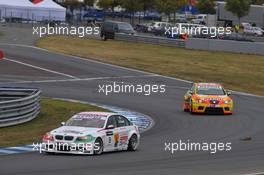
(98, 148)
(133, 143)
(191, 107)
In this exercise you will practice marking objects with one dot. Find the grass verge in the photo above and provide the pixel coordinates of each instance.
(236, 71)
(53, 112)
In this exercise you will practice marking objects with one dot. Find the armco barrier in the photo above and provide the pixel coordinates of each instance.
(226, 46)
(18, 105)
(198, 44)
(150, 40)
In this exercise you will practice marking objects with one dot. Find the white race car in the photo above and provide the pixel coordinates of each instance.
(92, 133)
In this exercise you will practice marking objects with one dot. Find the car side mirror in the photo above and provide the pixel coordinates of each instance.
(191, 92)
(110, 127)
(62, 123)
(228, 93)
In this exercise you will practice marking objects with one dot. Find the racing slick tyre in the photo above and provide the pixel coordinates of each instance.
(99, 146)
(133, 143)
(186, 109)
(191, 108)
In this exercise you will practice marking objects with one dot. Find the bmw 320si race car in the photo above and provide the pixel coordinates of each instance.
(92, 133)
(208, 98)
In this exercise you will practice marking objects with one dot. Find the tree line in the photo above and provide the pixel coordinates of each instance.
(239, 8)
(162, 6)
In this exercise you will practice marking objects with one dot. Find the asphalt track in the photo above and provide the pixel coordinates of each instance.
(63, 76)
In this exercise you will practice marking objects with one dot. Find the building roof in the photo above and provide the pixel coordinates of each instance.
(27, 4)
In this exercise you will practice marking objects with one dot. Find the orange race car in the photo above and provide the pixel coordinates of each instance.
(208, 98)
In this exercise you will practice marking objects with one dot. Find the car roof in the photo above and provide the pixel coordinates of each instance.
(117, 22)
(106, 114)
(208, 84)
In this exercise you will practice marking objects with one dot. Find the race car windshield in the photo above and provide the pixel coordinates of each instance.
(86, 122)
(210, 91)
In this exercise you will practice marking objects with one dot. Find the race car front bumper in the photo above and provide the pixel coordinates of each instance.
(212, 109)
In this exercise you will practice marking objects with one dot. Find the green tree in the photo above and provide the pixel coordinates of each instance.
(71, 4)
(170, 6)
(239, 8)
(206, 6)
(147, 5)
(164, 6)
(132, 6)
(257, 2)
(104, 4)
(108, 4)
(89, 3)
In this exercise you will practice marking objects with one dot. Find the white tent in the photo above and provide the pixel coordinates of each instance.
(26, 10)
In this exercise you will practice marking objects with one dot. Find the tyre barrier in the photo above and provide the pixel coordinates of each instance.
(18, 105)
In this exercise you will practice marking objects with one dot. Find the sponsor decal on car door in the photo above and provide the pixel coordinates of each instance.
(112, 139)
(112, 135)
(123, 131)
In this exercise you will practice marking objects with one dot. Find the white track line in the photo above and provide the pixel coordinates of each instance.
(22, 148)
(23, 45)
(7, 151)
(77, 79)
(131, 69)
(140, 71)
(259, 173)
(40, 68)
(116, 66)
